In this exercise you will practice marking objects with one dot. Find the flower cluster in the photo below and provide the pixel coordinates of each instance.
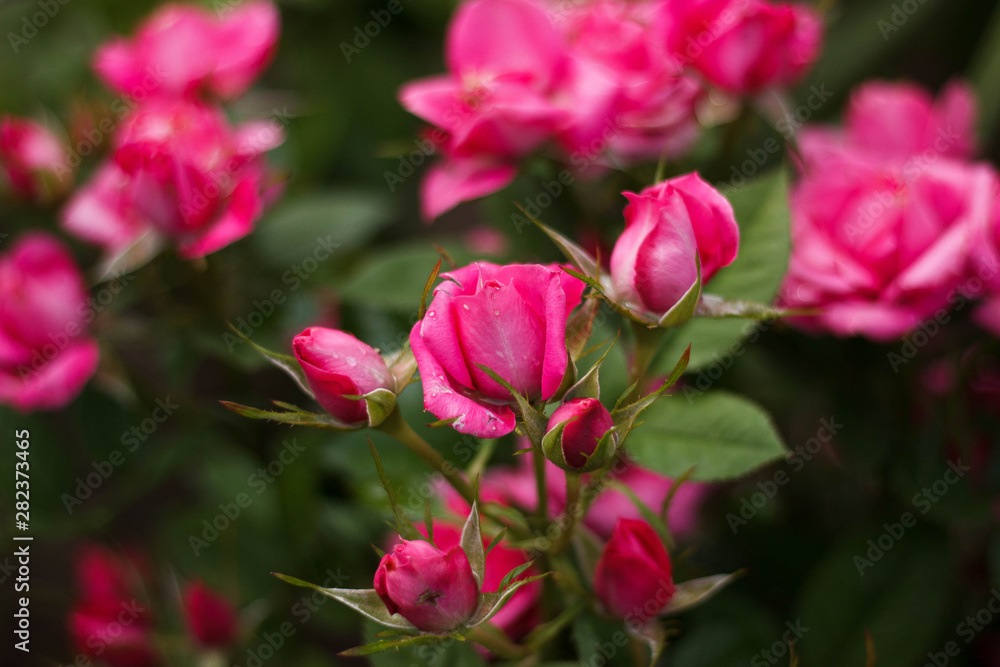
(604, 81)
(892, 220)
(179, 169)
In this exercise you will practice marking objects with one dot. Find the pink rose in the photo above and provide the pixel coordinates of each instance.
(633, 578)
(210, 617)
(586, 421)
(185, 50)
(510, 319)
(744, 46)
(880, 235)
(33, 160)
(181, 170)
(666, 226)
(46, 354)
(626, 93)
(433, 589)
(504, 59)
(336, 365)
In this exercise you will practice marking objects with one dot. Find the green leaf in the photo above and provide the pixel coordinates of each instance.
(579, 326)
(381, 403)
(285, 362)
(491, 603)
(472, 544)
(580, 258)
(320, 226)
(496, 540)
(695, 592)
(299, 418)
(364, 601)
(901, 598)
(720, 435)
(397, 643)
(589, 385)
(394, 279)
(761, 209)
(428, 286)
(683, 310)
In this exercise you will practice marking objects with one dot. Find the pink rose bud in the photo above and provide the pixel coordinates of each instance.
(34, 162)
(337, 365)
(586, 422)
(210, 617)
(509, 319)
(633, 576)
(744, 46)
(46, 353)
(653, 264)
(434, 590)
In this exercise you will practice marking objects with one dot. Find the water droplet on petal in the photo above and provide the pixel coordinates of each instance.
(496, 312)
(465, 305)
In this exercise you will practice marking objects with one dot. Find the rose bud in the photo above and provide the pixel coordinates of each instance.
(633, 575)
(654, 261)
(210, 617)
(434, 590)
(338, 365)
(510, 319)
(585, 421)
(34, 162)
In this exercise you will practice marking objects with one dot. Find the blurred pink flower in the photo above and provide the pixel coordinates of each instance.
(633, 577)
(183, 49)
(181, 170)
(108, 623)
(46, 353)
(744, 46)
(33, 160)
(210, 617)
(881, 234)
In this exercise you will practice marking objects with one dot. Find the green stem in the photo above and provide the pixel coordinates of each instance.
(541, 486)
(573, 512)
(397, 427)
(497, 642)
(647, 345)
